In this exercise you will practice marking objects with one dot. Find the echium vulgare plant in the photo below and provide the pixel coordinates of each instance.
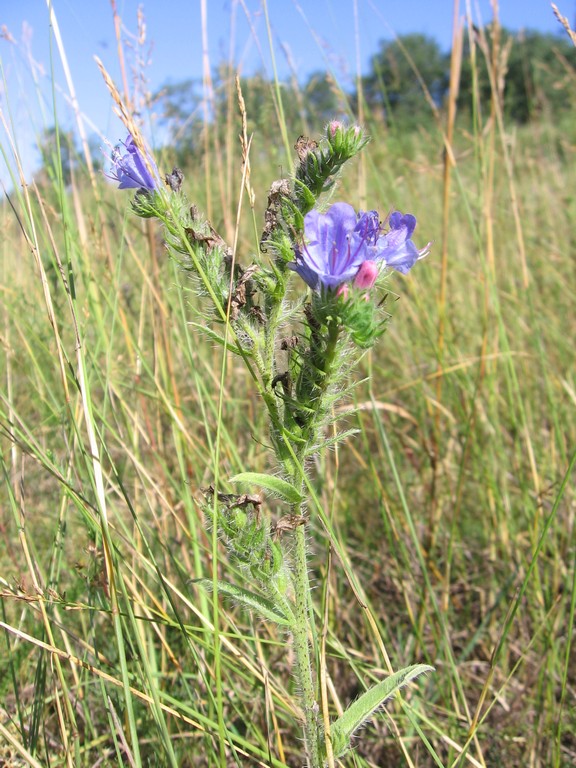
(337, 258)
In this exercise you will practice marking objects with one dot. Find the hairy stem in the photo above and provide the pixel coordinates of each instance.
(274, 315)
(323, 354)
(304, 668)
(318, 379)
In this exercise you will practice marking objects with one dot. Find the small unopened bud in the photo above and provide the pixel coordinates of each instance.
(334, 126)
(366, 275)
(343, 291)
(175, 179)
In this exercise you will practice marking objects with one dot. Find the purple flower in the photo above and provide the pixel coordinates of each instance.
(399, 251)
(132, 170)
(337, 243)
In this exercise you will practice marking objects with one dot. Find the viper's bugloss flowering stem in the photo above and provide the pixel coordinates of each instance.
(341, 255)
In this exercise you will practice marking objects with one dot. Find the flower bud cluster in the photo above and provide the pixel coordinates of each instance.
(345, 141)
(362, 318)
(248, 539)
(320, 163)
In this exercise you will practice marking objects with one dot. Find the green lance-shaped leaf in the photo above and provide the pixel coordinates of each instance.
(278, 486)
(219, 339)
(363, 708)
(265, 608)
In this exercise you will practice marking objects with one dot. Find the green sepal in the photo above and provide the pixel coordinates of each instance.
(338, 438)
(149, 205)
(363, 708)
(305, 196)
(278, 486)
(260, 605)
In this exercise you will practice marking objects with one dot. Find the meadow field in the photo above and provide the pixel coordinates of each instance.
(448, 534)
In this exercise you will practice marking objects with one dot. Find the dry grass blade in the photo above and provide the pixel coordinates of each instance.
(565, 23)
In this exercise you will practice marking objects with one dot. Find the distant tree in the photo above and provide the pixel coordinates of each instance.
(260, 110)
(180, 106)
(305, 107)
(66, 158)
(391, 86)
(322, 100)
(182, 109)
(539, 72)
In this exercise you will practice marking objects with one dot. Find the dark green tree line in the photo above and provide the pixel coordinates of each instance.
(538, 73)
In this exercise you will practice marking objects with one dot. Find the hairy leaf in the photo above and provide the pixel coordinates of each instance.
(272, 483)
(221, 340)
(261, 605)
(364, 707)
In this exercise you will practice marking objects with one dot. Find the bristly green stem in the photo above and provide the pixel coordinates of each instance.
(323, 354)
(301, 641)
(302, 627)
(274, 313)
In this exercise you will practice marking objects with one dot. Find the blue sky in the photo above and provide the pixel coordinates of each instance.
(307, 35)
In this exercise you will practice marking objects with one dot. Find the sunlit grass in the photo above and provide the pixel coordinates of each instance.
(452, 511)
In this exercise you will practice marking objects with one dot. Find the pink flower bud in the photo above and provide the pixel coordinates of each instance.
(343, 291)
(366, 275)
(334, 126)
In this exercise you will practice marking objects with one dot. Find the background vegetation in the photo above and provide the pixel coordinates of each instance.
(453, 508)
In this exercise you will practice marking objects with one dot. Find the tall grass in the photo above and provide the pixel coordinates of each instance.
(451, 515)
